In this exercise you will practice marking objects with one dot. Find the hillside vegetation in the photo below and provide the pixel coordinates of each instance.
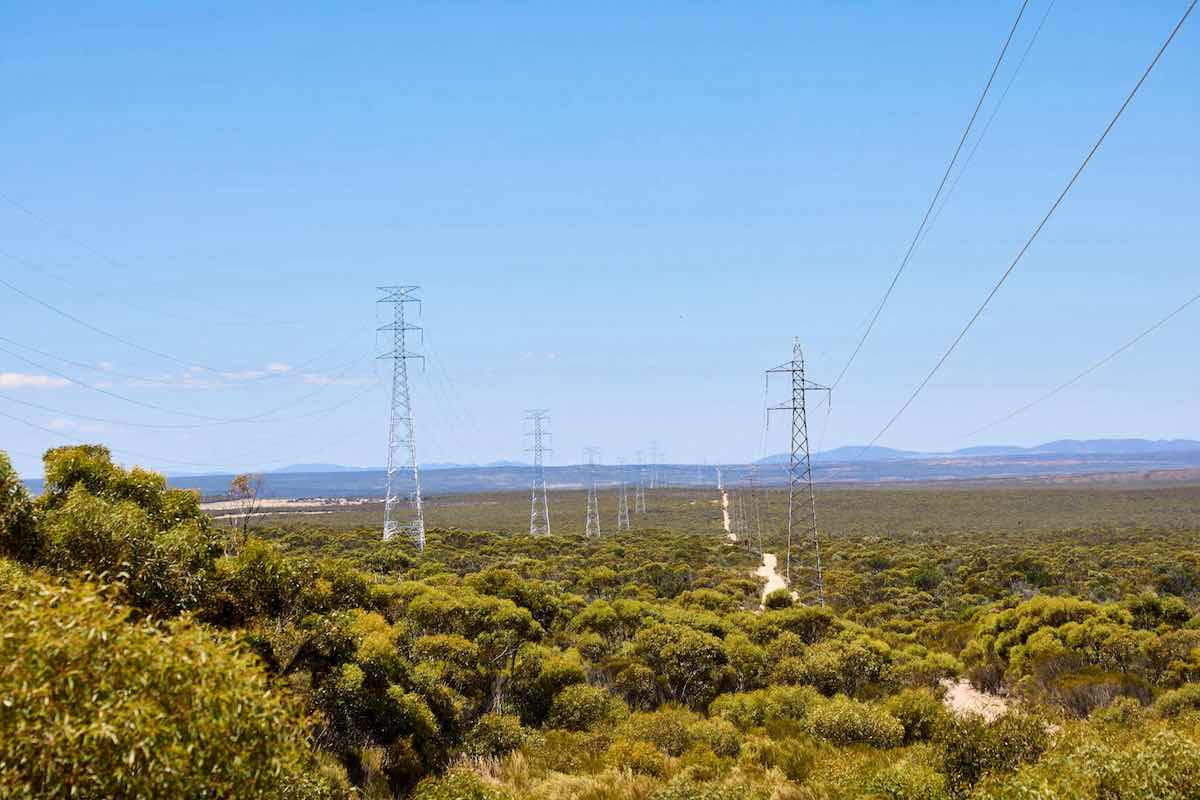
(147, 652)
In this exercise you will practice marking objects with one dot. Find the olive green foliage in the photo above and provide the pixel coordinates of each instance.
(19, 537)
(845, 721)
(495, 735)
(185, 713)
(639, 664)
(580, 707)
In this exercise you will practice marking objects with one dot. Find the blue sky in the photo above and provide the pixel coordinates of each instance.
(621, 212)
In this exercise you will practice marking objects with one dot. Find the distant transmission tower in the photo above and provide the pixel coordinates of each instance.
(639, 492)
(402, 448)
(800, 476)
(593, 504)
(654, 456)
(622, 498)
(755, 504)
(539, 513)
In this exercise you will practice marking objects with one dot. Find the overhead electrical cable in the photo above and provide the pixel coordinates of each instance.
(171, 380)
(933, 200)
(986, 125)
(119, 266)
(1037, 229)
(1083, 374)
(189, 363)
(163, 409)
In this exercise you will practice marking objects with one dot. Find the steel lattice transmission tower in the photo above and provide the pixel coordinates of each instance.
(622, 498)
(800, 475)
(655, 455)
(592, 454)
(402, 448)
(539, 513)
(639, 491)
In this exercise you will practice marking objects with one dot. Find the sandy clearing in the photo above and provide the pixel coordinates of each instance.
(725, 516)
(963, 698)
(279, 502)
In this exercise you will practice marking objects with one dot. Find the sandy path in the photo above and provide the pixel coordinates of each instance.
(725, 516)
(768, 569)
(963, 698)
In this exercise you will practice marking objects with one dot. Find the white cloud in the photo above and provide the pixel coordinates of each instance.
(21, 380)
(279, 366)
(329, 380)
(63, 424)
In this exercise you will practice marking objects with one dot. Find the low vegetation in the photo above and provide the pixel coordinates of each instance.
(148, 652)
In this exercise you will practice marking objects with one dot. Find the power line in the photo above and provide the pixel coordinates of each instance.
(1081, 375)
(259, 417)
(1038, 229)
(988, 124)
(933, 200)
(121, 267)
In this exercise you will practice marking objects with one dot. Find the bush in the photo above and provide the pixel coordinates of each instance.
(972, 748)
(845, 721)
(765, 706)
(638, 756)
(718, 735)
(457, 784)
(780, 598)
(19, 536)
(99, 706)
(581, 707)
(1176, 701)
(494, 735)
(919, 711)
(668, 729)
(1164, 766)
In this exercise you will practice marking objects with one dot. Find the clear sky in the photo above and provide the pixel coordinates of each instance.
(619, 212)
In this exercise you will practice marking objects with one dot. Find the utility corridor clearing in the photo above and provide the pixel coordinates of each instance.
(769, 567)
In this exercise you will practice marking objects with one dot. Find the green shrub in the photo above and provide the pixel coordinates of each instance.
(581, 707)
(764, 706)
(919, 711)
(668, 729)
(19, 537)
(99, 706)
(972, 747)
(1174, 702)
(540, 674)
(718, 735)
(845, 721)
(494, 735)
(1163, 766)
(1122, 711)
(906, 781)
(457, 784)
(780, 598)
(636, 755)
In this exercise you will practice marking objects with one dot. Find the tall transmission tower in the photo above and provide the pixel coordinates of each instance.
(800, 476)
(593, 504)
(539, 513)
(639, 492)
(622, 498)
(654, 456)
(402, 448)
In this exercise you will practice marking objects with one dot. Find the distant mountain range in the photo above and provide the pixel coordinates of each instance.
(1062, 460)
(1062, 447)
(315, 468)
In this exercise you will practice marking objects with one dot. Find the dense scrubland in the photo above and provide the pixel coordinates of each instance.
(147, 651)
